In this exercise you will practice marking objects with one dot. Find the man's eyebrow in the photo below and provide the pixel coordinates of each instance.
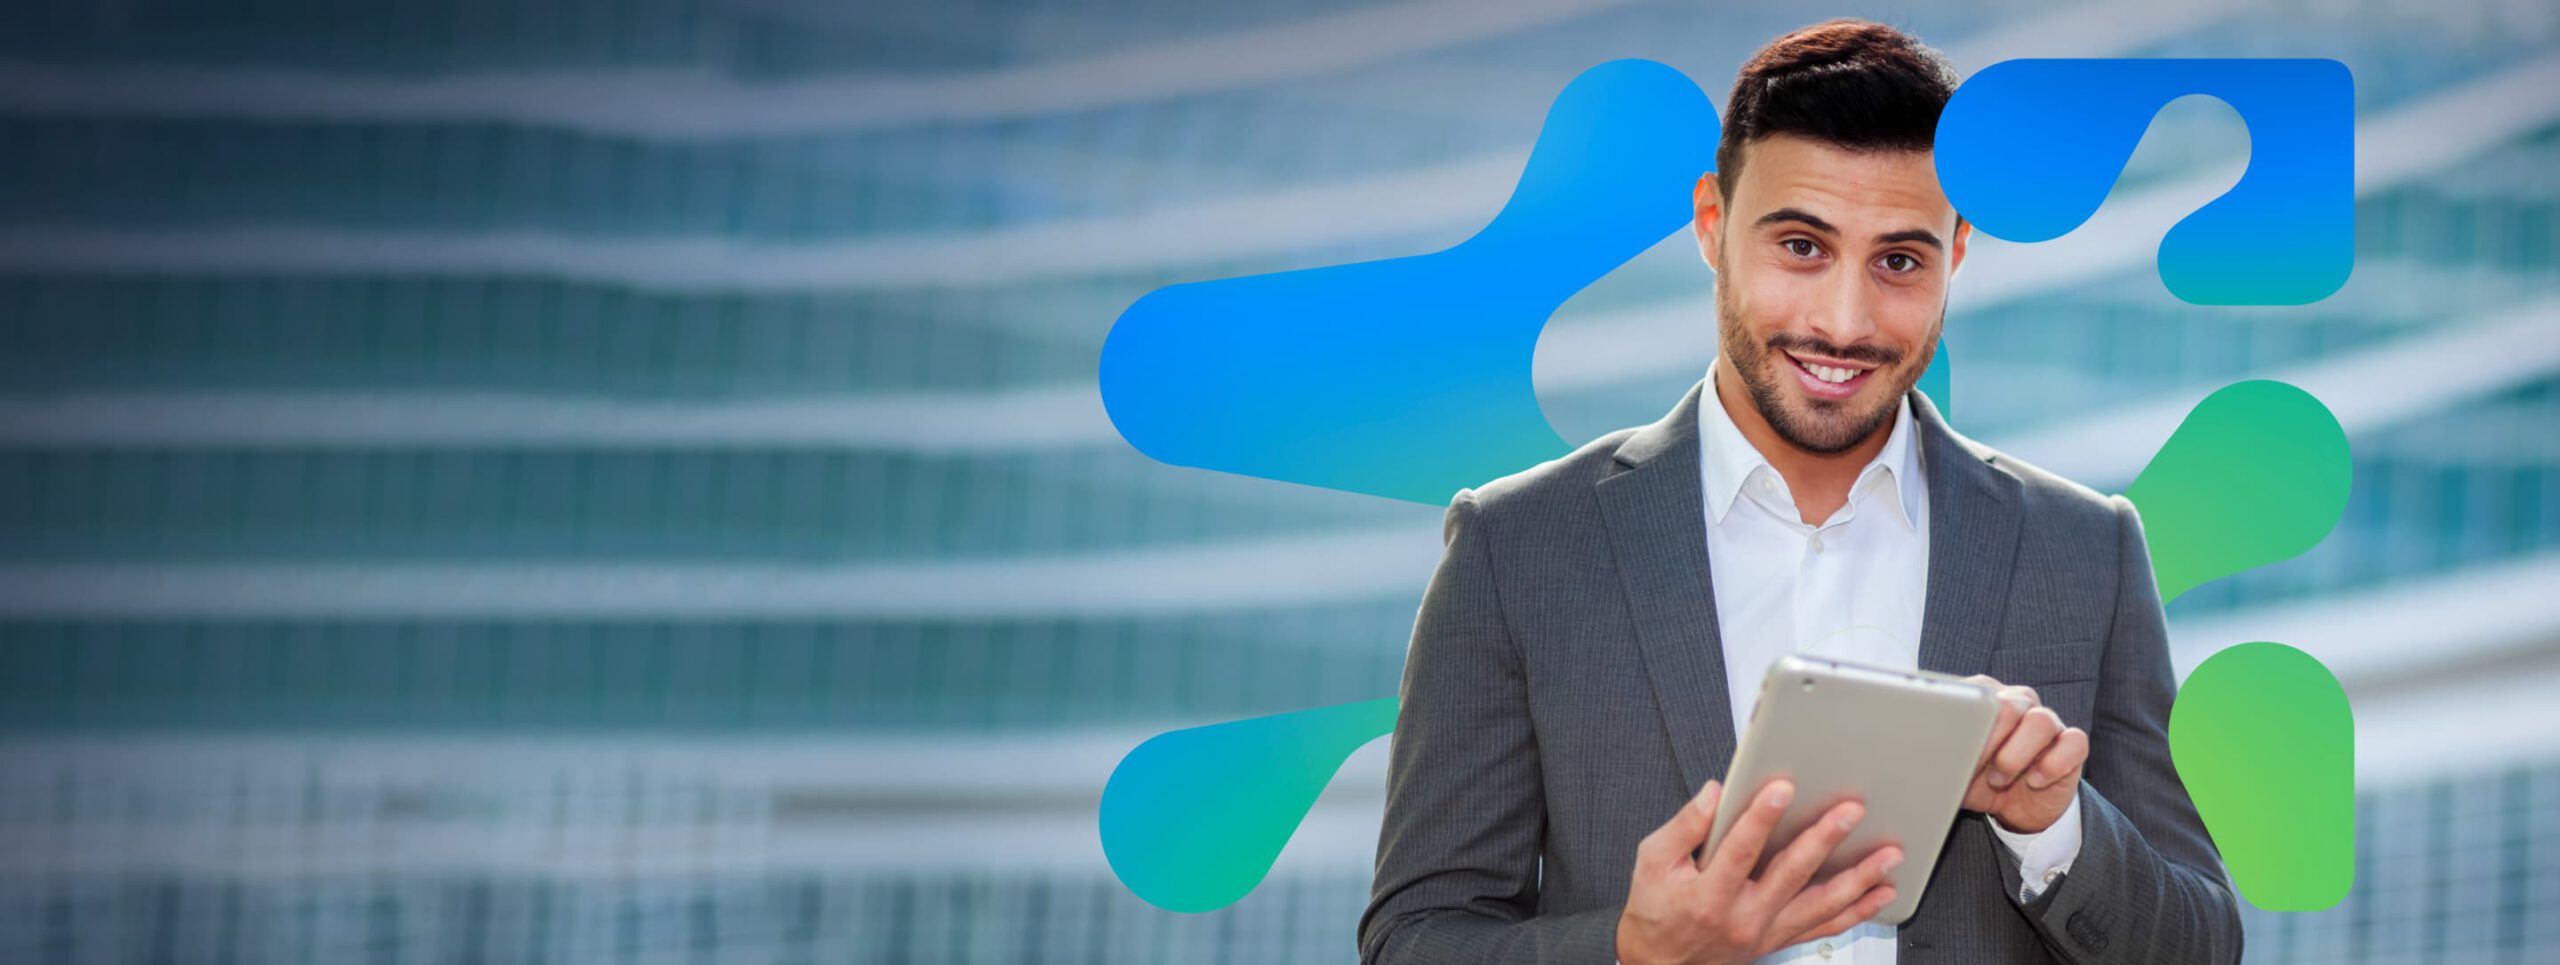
(1798, 215)
(1912, 234)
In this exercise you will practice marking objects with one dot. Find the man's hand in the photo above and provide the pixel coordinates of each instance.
(1711, 911)
(2030, 768)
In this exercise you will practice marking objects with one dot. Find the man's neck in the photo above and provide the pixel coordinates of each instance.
(1819, 482)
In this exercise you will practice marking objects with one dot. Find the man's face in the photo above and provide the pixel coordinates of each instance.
(1831, 268)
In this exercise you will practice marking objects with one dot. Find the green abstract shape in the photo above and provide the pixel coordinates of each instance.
(2257, 474)
(2265, 741)
(1193, 819)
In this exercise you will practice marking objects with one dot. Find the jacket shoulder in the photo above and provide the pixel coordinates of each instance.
(2051, 499)
(1559, 484)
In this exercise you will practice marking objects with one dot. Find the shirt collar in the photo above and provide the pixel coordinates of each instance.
(1727, 459)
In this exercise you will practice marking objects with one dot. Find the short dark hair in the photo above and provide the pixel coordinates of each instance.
(1853, 83)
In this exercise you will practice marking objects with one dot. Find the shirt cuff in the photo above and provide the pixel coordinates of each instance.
(2045, 855)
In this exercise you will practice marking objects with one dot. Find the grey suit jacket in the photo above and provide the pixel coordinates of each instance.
(1564, 694)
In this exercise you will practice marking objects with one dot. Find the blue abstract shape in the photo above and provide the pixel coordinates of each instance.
(1409, 377)
(2028, 149)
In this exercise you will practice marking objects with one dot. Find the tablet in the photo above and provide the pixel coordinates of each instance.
(1903, 741)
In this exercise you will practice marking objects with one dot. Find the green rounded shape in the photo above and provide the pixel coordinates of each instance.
(2265, 741)
(2257, 474)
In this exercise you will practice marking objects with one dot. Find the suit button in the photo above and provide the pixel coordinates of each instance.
(2087, 929)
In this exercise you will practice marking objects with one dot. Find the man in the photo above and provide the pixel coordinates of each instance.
(1593, 638)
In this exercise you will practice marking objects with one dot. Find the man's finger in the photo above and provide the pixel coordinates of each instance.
(1739, 852)
(2035, 731)
(1822, 904)
(2001, 726)
(1670, 845)
(2062, 759)
(1979, 795)
(2015, 702)
(1857, 913)
(1796, 863)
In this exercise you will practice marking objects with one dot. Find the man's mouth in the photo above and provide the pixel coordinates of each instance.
(1826, 378)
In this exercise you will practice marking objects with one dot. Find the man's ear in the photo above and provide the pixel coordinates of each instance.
(1955, 251)
(1706, 203)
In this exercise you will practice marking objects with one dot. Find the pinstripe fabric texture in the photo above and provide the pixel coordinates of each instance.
(1564, 694)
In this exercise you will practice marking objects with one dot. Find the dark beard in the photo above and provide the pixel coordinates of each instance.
(1814, 434)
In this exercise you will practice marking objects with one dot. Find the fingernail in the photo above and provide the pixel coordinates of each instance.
(1893, 861)
(2039, 781)
(1997, 779)
(1779, 796)
(1849, 818)
(2018, 702)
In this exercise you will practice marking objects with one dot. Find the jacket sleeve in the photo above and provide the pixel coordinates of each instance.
(1458, 851)
(2148, 885)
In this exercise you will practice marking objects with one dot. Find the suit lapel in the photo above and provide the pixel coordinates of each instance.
(1658, 533)
(1973, 551)
(1655, 509)
(1973, 546)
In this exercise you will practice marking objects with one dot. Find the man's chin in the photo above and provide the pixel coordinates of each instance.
(1829, 426)
(1822, 438)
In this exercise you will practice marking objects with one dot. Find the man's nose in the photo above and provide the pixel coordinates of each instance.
(1844, 313)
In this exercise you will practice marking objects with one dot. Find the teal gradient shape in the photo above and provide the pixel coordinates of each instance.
(1938, 383)
(2264, 739)
(1410, 378)
(2258, 473)
(1192, 819)
(2028, 150)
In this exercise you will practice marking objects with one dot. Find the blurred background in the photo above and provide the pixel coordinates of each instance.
(581, 481)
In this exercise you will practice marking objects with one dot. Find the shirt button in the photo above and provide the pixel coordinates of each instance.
(2050, 875)
(1824, 949)
(1817, 543)
(1766, 486)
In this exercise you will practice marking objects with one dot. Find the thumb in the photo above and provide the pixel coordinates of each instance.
(1670, 845)
(1979, 795)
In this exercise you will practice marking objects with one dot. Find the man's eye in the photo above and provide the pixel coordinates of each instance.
(1899, 262)
(1804, 252)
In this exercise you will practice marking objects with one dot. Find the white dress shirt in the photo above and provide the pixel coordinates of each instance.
(1852, 588)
